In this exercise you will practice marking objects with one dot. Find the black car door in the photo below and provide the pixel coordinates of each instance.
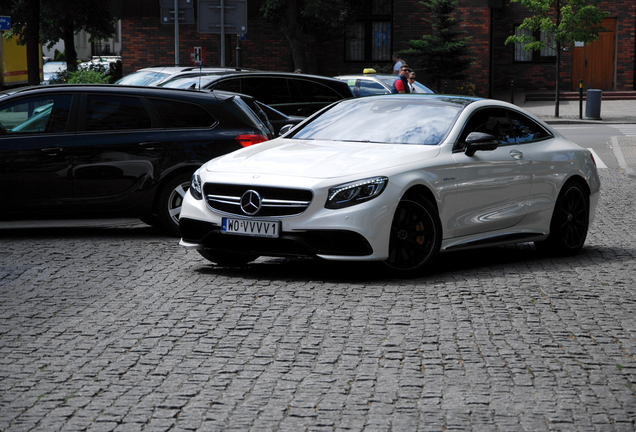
(36, 140)
(119, 151)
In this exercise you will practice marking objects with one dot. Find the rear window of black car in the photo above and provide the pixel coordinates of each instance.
(177, 115)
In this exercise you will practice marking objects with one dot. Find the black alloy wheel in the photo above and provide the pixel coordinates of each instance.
(416, 235)
(570, 222)
(169, 203)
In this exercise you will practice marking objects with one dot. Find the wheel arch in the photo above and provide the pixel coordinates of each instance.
(168, 177)
(422, 190)
(580, 181)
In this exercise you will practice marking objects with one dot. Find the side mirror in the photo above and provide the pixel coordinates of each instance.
(479, 141)
(285, 129)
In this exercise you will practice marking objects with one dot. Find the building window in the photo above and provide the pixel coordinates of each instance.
(547, 54)
(369, 38)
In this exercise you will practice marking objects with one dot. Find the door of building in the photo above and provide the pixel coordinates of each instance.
(594, 62)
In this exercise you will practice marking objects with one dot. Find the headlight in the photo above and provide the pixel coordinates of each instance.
(355, 192)
(195, 186)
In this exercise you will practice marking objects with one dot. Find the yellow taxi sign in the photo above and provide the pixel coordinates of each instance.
(368, 70)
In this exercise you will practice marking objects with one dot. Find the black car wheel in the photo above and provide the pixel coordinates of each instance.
(570, 222)
(168, 206)
(227, 259)
(416, 235)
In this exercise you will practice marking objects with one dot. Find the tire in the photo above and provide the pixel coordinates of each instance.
(416, 235)
(570, 222)
(168, 205)
(227, 259)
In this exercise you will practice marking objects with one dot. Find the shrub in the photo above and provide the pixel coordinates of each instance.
(87, 77)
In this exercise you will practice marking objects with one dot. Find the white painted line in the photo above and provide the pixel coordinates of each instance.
(621, 160)
(599, 162)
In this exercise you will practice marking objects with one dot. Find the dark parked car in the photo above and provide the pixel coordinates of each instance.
(273, 118)
(290, 93)
(113, 151)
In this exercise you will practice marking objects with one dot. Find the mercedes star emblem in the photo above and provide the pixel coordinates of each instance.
(251, 202)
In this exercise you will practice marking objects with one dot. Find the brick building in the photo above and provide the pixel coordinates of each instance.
(386, 26)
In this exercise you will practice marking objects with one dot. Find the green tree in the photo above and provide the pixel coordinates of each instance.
(47, 21)
(306, 22)
(567, 21)
(444, 54)
(63, 19)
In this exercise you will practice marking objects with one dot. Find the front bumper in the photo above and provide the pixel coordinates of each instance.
(198, 234)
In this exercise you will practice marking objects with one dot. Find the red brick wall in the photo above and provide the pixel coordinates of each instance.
(146, 42)
(541, 76)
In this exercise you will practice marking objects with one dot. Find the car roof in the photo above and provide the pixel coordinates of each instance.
(365, 75)
(255, 72)
(120, 89)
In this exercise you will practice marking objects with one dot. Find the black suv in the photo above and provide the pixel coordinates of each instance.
(113, 151)
(291, 93)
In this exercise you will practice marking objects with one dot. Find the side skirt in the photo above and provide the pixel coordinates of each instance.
(495, 240)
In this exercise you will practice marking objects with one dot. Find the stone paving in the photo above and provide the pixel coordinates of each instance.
(120, 329)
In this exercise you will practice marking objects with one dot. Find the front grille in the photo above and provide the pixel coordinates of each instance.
(274, 201)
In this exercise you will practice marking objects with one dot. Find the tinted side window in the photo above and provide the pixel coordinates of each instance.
(493, 121)
(44, 114)
(111, 112)
(316, 92)
(230, 84)
(266, 89)
(175, 114)
(526, 129)
(368, 87)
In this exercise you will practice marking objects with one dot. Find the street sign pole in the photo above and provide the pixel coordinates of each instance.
(223, 17)
(176, 32)
(222, 33)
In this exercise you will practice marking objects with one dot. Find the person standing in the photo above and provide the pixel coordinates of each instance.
(401, 84)
(412, 82)
(398, 64)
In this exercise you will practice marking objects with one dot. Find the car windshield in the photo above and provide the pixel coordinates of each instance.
(384, 120)
(143, 78)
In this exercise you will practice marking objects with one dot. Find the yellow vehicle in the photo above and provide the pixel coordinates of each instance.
(13, 63)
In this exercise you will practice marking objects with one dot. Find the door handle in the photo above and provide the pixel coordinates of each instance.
(52, 151)
(150, 145)
(516, 154)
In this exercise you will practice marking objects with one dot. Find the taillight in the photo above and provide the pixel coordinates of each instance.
(593, 160)
(249, 139)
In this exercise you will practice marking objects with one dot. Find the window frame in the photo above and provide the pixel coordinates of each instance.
(35, 102)
(368, 20)
(535, 56)
(459, 144)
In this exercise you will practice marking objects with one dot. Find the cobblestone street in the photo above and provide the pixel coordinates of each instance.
(120, 329)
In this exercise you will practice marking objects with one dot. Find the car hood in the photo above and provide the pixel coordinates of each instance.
(319, 159)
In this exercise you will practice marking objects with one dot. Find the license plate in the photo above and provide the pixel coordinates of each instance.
(256, 228)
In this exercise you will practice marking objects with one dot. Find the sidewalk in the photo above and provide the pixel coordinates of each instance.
(612, 111)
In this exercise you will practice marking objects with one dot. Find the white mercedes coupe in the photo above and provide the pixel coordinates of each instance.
(398, 179)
